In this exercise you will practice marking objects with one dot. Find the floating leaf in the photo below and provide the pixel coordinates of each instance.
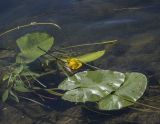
(91, 85)
(29, 45)
(91, 56)
(109, 89)
(88, 57)
(132, 89)
(5, 95)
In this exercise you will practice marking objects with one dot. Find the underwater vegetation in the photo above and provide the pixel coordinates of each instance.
(83, 82)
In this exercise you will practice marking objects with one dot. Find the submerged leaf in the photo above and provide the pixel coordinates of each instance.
(20, 86)
(5, 77)
(5, 95)
(27, 72)
(18, 69)
(14, 96)
(29, 45)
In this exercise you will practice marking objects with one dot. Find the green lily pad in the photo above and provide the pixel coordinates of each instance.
(91, 85)
(132, 89)
(111, 90)
(29, 45)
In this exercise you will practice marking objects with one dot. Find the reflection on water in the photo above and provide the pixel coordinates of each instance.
(135, 24)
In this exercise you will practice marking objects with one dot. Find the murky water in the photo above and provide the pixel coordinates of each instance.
(136, 26)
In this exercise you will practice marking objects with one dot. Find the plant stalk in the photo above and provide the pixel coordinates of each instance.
(29, 25)
(91, 44)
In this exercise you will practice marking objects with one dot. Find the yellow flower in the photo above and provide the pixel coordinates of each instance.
(73, 63)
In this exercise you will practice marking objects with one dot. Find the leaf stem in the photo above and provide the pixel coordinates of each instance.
(29, 25)
(49, 72)
(53, 92)
(33, 101)
(37, 80)
(142, 110)
(94, 67)
(91, 44)
(94, 110)
(50, 54)
(139, 103)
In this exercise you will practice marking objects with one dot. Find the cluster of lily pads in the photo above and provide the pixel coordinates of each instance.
(110, 90)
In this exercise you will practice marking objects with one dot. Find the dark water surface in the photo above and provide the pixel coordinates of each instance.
(134, 23)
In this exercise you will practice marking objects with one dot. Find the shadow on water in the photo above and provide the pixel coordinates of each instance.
(136, 26)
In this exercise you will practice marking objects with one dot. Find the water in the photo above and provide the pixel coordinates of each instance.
(136, 26)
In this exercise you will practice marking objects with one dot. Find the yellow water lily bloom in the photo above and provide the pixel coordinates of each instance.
(73, 63)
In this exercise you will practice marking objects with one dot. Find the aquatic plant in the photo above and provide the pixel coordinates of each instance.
(110, 90)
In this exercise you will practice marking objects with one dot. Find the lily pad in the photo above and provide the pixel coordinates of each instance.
(91, 85)
(111, 90)
(29, 45)
(132, 89)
